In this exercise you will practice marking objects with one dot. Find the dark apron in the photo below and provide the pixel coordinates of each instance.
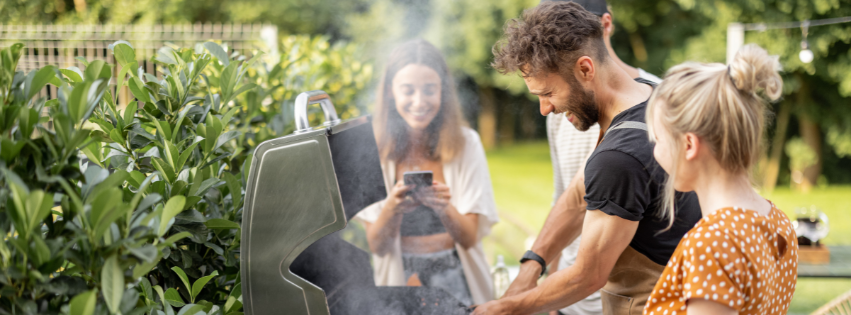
(630, 284)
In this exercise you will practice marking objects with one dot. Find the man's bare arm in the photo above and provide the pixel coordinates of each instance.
(605, 238)
(562, 227)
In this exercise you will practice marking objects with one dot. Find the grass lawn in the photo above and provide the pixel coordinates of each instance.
(523, 187)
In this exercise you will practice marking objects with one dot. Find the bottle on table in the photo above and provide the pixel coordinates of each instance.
(500, 277)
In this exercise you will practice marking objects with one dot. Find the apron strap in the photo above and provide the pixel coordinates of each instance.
(626, 125)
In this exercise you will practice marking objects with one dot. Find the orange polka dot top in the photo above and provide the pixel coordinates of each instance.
(735, 257)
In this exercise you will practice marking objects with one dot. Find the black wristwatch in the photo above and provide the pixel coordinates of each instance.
(530, 255)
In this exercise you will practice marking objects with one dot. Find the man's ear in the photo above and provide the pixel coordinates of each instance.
(608, 25)
(585, 69)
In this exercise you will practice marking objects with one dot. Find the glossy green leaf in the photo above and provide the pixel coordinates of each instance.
(40, 251)
(172, 208)
(138, 89)
(165, 169)
(228, 81)
(124, 52)
(103, 203)
(200, 283)
(145, 267)
(116, 135)
(38, 206)
(225, 137)
(73, 73)
(221, 224)
(192, 309)
(218, 52)
(82, 60)
(9, 149)
(28, 119)
(112, 281)
(108, 218)
(235, 294)
(84, 303)
(166, 55)
(97, 69)
(41, 78)
(182, 276)
(147, 252)
(235, 188)
(187, 153)
(176, 237)
(173, 298)
(205, 185)
(130, 112)
(121, 80)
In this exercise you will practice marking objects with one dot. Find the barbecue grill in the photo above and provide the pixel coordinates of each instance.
(302, 189)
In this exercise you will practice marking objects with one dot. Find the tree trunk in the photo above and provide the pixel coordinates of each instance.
(528, 122)
(772, 169)
(508, 113)
(487, 117)
(80, 6)
(811, 134)
(638, 48)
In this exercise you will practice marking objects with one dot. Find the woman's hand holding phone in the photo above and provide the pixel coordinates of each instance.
(435, 196)
(398, 200)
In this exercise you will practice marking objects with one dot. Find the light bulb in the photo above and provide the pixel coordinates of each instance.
(806, 56)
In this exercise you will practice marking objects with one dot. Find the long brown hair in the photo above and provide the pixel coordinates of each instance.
(443, 135)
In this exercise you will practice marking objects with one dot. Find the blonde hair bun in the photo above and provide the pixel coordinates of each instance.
(753, 70)
(720, 104)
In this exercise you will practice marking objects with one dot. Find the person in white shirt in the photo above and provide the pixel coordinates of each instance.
(570, 147)
(429, 236)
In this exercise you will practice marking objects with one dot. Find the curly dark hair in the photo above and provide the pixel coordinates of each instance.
(549, 37)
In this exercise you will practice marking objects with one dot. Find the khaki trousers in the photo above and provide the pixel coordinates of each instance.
(630, 284)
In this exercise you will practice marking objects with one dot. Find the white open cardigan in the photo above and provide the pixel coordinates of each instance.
(469, 182)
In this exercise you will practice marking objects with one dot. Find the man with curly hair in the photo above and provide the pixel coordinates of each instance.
(570, 147)
(559, 50)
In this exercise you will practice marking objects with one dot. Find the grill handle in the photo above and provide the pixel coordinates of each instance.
(309, 98)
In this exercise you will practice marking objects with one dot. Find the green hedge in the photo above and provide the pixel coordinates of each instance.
(108, 209)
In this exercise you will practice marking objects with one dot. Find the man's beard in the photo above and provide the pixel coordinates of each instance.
(582, 105)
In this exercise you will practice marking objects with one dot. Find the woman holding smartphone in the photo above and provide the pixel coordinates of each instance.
(429, 235)
(741, 257)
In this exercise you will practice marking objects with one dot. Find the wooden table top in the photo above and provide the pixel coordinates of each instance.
(839, 266)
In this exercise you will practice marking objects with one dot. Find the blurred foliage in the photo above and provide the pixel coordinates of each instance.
(465, 30)
(818, 93)
(841, 142)
(291, 17)
(307, 63)
(800, 155)
(136, 208)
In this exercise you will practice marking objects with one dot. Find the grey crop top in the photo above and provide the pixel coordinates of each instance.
(422, 221)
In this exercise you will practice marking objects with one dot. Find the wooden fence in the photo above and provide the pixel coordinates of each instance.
(59, 45)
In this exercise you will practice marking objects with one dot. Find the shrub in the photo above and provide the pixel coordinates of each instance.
(137, 210)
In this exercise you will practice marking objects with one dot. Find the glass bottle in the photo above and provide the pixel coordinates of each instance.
(500, 277)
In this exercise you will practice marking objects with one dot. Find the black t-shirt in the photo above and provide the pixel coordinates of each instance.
(622, 178)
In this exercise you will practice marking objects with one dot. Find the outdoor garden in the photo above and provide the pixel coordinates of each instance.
(133, 205)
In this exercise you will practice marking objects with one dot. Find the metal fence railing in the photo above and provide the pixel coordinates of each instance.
(59, 45)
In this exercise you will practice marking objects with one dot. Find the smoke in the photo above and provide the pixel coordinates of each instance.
(385, 24)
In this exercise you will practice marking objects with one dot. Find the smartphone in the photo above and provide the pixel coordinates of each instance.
(420, 178)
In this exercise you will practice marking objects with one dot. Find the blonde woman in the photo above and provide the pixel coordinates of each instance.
(431, 236)
(707, 121)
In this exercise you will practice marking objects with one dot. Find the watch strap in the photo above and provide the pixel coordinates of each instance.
(530, 255)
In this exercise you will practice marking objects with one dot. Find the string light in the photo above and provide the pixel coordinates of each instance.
(806, 55)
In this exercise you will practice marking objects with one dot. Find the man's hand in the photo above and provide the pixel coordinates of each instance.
(526, 280)
(492, 308)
